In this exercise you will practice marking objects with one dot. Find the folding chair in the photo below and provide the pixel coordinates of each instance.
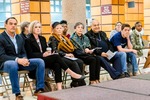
(21, 74)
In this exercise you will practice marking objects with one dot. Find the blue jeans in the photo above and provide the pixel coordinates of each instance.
(119, 62)
(106, 65)
(12, 68)
(131, 58)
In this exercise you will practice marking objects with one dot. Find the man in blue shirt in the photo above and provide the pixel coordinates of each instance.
(120, 41)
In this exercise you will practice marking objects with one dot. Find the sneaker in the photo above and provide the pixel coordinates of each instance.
(120, 76)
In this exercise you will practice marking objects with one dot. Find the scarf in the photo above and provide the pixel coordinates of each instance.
(64, 43)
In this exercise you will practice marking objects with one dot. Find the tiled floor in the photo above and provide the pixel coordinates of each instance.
(27, 94)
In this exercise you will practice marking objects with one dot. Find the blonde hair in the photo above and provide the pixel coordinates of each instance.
(32, 24)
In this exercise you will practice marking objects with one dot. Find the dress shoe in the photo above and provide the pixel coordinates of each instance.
(123, 75)
(126, 74)
(82, 83)
(19, 97)
(37, 92)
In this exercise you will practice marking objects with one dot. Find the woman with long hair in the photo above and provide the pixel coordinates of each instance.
(36, 46)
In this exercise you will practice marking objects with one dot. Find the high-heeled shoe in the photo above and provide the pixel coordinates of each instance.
(81, 78)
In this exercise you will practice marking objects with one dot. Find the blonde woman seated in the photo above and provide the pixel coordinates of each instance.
(62, 45)
(36, 45)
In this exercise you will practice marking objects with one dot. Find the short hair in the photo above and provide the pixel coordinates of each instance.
(125, 25)
(63, 22)
(32, 24)
(6, 21)
(23, 25)
(77, 24)
(133, 28)
(55, 24)
(117, 23)
(136, 23)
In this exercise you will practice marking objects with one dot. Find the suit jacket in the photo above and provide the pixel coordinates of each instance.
(32, 47)
(7, 48)
(23, 35)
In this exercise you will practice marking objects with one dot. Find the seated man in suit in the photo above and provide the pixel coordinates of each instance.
(13, 58)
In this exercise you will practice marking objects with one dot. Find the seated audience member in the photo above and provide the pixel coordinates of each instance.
(120, 41)
(84, 52)
(36, 48)
(62, 45)
(116, 30)
(99, 39)
(138, 44)
(65, 26)
(136, 39)
(24, 34)
(13, 58)
(24, 29)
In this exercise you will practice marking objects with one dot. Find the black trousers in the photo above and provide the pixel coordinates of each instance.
(55, 63)
(94, 66)
(74, 65)
(77, 67)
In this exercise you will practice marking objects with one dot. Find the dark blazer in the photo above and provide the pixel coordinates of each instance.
(94, 43)
(7, 48)
(32, 47)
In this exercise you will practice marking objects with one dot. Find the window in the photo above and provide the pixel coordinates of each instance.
(56, 10)
(88, 9)
(5, 11)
